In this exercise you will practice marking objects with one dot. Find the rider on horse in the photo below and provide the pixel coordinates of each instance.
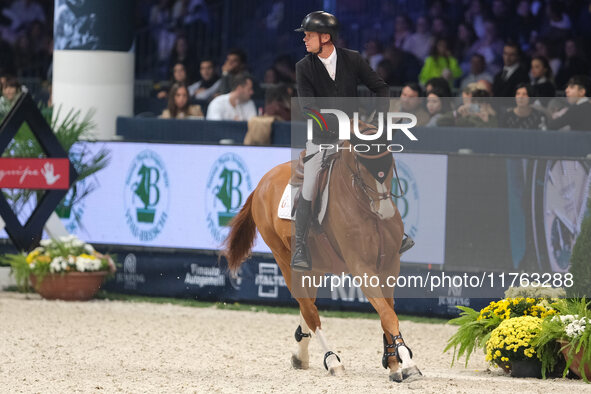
(326, 71)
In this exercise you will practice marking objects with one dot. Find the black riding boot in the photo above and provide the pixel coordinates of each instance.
(300, 260)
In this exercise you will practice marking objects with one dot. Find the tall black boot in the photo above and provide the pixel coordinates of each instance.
(300, 260)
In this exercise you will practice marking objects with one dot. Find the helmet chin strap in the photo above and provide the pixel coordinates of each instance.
(321, 45)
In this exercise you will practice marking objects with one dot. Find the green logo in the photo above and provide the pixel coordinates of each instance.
(408, 204)
(71, 209)
(146, 196)
(228, 185)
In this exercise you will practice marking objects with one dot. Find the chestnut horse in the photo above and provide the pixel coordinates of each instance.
(360, 211)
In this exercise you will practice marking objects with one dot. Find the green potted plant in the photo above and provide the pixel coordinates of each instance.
(568, 333)
(65, 268)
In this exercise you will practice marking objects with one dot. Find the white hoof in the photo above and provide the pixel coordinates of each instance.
(296, 363)
(339, 370)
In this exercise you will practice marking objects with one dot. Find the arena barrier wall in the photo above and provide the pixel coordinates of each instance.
(159, 209)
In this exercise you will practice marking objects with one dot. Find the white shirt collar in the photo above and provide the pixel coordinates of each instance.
(331, 59)
(582, 100)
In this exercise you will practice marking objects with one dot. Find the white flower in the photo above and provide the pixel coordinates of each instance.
(45, 242)
(88, 249)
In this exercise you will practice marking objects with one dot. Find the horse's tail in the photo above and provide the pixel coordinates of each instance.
(239, 242)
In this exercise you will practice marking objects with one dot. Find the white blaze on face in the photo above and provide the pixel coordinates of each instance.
(385, 207)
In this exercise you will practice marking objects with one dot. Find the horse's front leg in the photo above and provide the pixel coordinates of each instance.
(397, 356)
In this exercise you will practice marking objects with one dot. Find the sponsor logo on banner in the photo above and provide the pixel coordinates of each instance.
(408, 205)
(146, 196)
(350, 294)
(269, 279)
(228, 186)
(34, 173)
(235, 278)
(205, 276)
(130, 277)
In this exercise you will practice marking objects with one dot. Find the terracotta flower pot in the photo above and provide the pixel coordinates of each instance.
(575, 366)
(73, 286)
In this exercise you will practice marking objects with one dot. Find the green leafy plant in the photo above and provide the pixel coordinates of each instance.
(476, 326)
(571, 328)
(57, 256)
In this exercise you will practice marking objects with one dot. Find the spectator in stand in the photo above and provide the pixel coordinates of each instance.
(11, 90)
(513, 72)
(373, 53)
(179, 75)
(502, 16)
(475, 15)
(209, 83)
(478, 113)
(477, 71)
(278, 102)
(574, 63)
(401, 31)
(235, 64)
(542, 83)
(463, 42)
(439, 28)
(490, 46)
(419, 43)
(439, 84)
(235, 105)
(525, 23)
(181, 53)
(559, 24)
(548, 50)
(438, 104)
(576, 115)
(178, 104)
(410, 101)
(440, 64)
(523, 115)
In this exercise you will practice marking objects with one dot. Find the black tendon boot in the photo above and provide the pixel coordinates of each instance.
(300, 260)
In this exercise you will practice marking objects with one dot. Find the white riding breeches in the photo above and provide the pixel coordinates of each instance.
(312, 167)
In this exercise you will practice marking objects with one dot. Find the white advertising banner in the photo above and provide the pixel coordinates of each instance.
(183, 196)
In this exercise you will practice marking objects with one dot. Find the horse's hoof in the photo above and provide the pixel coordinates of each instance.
(396, 376)
(337, 371)
(411, 374)
(296, 363)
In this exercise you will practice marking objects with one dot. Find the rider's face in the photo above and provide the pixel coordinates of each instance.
(313, 39)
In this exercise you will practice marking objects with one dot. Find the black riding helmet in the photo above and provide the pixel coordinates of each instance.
(320, 22)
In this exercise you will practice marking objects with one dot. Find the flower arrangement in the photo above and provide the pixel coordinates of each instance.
(476, 327)
(512, 341)
(568, 332)
(58, 256)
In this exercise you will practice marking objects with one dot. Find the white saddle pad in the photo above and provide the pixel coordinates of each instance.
(287, 199)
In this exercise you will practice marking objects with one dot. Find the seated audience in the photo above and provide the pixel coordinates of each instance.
(440, 64)
(577, 115)
(440, 84)
(278, 102)
(523, 116)
(477, 71)
(438, 104)
(410, 101)
(11, 90)
(475, 112)
(235, 105)
(178, 75)
(235, 64)
(542, 84)
(513, 72)
(209, 83)
(178, 104)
